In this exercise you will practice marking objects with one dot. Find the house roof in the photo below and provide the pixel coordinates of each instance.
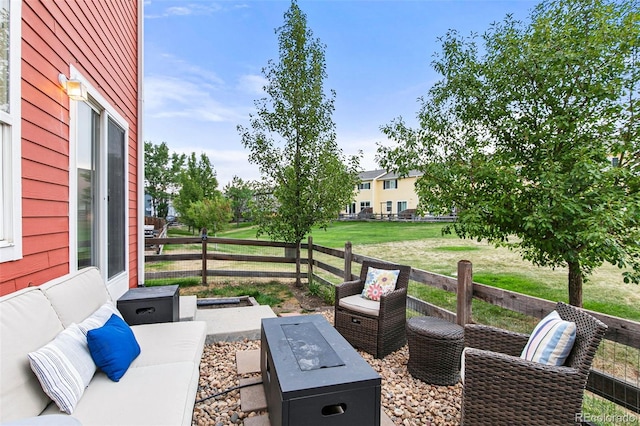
(371, 174)
(384, 175)
(391, 175)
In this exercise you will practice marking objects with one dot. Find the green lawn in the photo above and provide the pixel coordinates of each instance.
(423, 246)
(357, 232)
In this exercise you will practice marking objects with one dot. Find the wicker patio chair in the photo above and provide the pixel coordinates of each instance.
(379, 328)
(500, 388)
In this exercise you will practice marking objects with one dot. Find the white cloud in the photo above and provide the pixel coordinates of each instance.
(190, 71)
(167, 97)
(178, 11)
(187, 9)
(365, 145)
(226, 163)
(252, 83)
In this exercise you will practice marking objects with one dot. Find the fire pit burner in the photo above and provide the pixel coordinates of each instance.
(309, 347)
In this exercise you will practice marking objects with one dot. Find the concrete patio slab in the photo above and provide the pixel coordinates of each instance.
(257, 421)
(252, 398)
(234, 324)
(188, 307)
(248, 361)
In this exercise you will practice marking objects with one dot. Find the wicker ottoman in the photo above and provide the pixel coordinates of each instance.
(435, 346)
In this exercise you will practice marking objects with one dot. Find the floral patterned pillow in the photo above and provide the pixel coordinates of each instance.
(379, 282)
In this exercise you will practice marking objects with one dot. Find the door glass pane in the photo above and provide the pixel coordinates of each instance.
(116, 199)
(4, 55)
(87, 160)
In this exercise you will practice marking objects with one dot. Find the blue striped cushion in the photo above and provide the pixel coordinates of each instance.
(551, 341)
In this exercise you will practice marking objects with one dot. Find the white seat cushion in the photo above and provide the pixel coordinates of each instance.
(169, 342)
(358, 303)
(171, 387)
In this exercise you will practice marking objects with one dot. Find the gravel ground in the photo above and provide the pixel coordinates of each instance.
(407, 401)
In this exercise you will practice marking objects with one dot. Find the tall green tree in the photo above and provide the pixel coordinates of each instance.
(161, 172)
(239, 193)
(212, 214)
(520, 133)
(197, 182)
(305, 179)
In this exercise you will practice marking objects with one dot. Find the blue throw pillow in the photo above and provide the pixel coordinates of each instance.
(113, 347)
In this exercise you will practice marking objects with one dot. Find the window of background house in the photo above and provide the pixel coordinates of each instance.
(390, 184)
(389, 206)
(364, 205)
(10, 172)
(365, 185)
(402, 205)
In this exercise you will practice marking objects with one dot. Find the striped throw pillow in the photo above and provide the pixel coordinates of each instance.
(551, 341)
(64, 367)
(99, 317)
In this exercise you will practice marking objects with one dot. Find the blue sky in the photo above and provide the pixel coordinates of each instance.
(203, 66)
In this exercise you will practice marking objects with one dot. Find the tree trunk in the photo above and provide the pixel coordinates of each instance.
(575, 284)
(298, 281)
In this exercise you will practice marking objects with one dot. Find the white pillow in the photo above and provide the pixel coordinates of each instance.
(99, 317)
(64, 367)
(551, 341)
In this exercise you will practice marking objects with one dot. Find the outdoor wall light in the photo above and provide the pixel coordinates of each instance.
(75, 89)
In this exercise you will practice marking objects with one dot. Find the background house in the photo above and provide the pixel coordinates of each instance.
(71, 180)
(384, 193)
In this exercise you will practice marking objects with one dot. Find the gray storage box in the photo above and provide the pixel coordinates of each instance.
(149, 305)
(313, 376)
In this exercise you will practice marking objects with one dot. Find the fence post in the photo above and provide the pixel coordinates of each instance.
(310, 260)
(203, 235)
(347, 260)
(465, 292)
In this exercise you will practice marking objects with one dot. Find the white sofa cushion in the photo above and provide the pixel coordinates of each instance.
(64, 367)
(155, 395)
(169, 342)
(99, 317)
(50, 420)
(358, 303)
(76, 296)
(27, 322)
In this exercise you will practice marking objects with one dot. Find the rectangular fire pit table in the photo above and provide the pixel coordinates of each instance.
(313, 376)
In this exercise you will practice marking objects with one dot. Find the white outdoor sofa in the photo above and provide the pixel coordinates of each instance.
(159, 388)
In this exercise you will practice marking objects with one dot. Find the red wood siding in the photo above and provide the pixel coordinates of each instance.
(100, 39)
